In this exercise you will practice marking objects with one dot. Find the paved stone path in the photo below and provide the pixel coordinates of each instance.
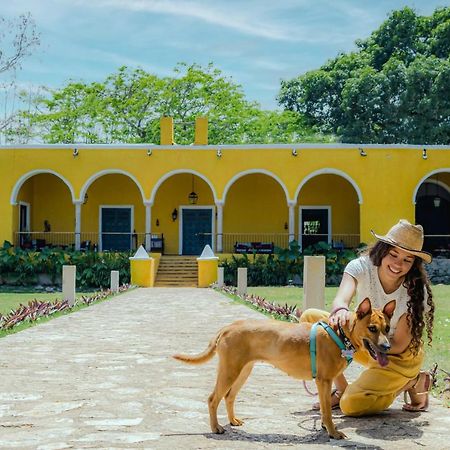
(103, 378)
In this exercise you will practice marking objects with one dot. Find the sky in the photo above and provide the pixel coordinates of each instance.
(257, 43)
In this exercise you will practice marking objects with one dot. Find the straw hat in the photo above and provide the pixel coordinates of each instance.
(407, 237)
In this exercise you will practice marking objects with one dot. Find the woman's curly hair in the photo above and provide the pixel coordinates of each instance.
(416, 283)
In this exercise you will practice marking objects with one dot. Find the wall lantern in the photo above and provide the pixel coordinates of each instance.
(193, 197)
(362, 152)
(85, 199)
(174, 214)
(286, 225)
(157, 222)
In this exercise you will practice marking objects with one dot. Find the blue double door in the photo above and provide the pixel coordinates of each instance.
(196, 229)
(116, 229)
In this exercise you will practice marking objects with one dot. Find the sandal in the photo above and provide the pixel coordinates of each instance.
(430, 379)
(335, 394)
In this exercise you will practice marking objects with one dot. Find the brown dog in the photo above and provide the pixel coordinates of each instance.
(286, 346)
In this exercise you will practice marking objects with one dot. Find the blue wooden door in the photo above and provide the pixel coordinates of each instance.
(116, 229)
(197, 228)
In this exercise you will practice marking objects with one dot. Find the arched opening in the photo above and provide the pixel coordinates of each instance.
(113, 214)
(255, 216)
(44, 214)
(328, 212)
(183, 214)
(433, 213)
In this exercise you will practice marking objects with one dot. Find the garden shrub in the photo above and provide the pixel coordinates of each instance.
(286, 266)
(21, 267)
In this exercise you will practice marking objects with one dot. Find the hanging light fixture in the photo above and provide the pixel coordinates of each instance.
(193, 197)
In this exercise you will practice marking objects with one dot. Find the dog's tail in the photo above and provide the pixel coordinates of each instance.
(201, 357)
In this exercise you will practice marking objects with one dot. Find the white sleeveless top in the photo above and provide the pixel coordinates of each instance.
(369, 286)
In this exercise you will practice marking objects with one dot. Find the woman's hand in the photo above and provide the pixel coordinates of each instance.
(340, 316)
(340, 313)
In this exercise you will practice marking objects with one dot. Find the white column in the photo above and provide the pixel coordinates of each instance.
(291, 205)
(219, 206)
(78, 224)
(148, 225)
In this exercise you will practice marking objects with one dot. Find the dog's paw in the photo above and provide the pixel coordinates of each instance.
(219, 429)
(236, 422)
(337, 435)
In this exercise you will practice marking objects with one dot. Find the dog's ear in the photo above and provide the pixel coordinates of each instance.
(389, 308)
(364, 308)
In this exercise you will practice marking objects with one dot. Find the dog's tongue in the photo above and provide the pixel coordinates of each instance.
(382, 359)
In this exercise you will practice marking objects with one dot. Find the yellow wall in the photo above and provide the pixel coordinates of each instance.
(255, 203)
(387, 177)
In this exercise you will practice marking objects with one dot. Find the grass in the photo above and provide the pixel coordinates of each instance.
(10, 300)
(438, 353)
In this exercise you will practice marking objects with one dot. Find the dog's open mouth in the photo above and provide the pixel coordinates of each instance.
(375, 353)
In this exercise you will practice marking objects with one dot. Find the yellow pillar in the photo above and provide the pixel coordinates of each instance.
(142, 268)
(201, 131)
(207, 267)
(166, 127)
(207, 271)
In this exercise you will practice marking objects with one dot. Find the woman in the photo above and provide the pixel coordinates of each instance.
(390, 270)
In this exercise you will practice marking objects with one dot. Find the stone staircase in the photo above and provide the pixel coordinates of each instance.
(177, 271)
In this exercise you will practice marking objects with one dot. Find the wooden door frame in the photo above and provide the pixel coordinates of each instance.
(300, 217)
(100, 208)
(180, 225)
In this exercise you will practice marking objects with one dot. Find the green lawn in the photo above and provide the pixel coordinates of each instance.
(439, 352)
(10, 300)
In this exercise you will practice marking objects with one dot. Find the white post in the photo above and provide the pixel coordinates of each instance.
(68, 283)
(220, 277)
(314, 282)
(77, 225)
(242, 281)
(219, 206)
(148, 226)
(114, 281)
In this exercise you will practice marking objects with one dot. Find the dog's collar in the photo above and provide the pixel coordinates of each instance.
(346, 352)
(349, 347)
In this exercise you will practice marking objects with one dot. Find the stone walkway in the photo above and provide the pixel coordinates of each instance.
(103, 378)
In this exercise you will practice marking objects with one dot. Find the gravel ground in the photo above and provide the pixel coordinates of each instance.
(103, 378)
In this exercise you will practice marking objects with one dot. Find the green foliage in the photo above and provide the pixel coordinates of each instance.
(286, 265)
(394, 89)
(21, 267)
(127, 106)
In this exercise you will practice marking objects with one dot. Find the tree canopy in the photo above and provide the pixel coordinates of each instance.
(127, 107)
(392, 89)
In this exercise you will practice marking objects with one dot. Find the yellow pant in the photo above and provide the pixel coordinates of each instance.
(376, 387)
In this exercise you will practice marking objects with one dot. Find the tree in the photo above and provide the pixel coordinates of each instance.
(127, 106)
(18, 40)
(389, 91)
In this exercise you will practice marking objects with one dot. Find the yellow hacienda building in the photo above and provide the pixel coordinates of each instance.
(178, 198)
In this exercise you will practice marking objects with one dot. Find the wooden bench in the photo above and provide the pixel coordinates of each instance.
(254, 247)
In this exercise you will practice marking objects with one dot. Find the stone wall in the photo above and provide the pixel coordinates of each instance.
(439, 270)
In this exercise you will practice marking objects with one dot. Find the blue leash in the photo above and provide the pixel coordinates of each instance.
(345, 352)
